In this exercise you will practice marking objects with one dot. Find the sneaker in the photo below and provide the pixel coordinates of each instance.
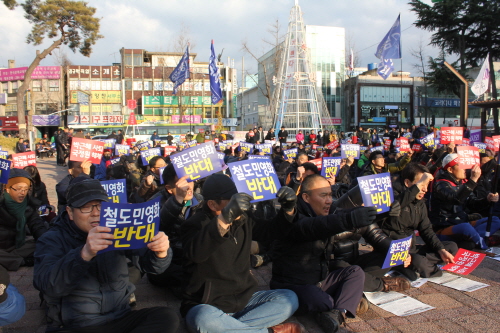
(363, 306)
(330, 321)
(396, 284)
(288, 328)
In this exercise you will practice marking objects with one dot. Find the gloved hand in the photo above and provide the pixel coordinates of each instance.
(395, 209)
(238, 204)
(363, 216)
(287, 198)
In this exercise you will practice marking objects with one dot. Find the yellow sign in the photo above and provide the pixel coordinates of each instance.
(100, 96)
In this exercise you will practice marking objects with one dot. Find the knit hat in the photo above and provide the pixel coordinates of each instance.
(219, 187)
(450, 160)
(83, 190)
(17, 176)
(4, 283)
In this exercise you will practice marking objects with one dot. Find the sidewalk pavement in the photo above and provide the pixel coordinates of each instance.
(455, 311)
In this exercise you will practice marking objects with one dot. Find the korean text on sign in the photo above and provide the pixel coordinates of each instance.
(331, 166)
(143, 145)
(257, 178)
(191, 144)
(109, 143)
(265, 148)
(398, 252)
(480, 146)
(403, 144)
(149, 154)
(376, 191)
(169, 150)
(467, 157)
(451, 135)
(122, 149)
(259, 157)
(116, 189)
(348, 150)
(4, 170)
(197, 162)
(22, 160)
(290, 153)
(465, 262)
(428, 140)
(83, 149)
(247, 147)
(377, 148)
(490, 143)
(132, 225)
(4, 154)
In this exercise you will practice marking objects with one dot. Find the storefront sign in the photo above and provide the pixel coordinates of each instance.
(46, 120)
(41, 72)
(100, 96)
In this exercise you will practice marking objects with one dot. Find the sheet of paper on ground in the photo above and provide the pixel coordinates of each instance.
(396, 303)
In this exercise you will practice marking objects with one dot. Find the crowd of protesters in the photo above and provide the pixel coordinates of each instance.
(210, 235)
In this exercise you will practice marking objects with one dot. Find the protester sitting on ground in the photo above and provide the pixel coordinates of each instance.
(39, 191)
(412, 186)
(12, 303)
(181, 203)
(301, 263)
(150, 183)
(453, 206)
(19, 214)
(87, 291)
(75, 169)
(221, 295)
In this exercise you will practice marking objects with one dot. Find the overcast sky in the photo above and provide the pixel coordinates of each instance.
(154, 25)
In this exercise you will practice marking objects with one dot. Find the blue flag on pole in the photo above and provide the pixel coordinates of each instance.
(390, 46)
(385, 68)
(181, 72)
(214, 77)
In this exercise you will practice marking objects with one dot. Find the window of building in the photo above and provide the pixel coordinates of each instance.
(53, 85)
(137, 60)
(11, 110)
(148, 85)
(128, 84)
(5, 87)
(128, 60)
(36, 85)
(15, 86)
(117, 108)
(45, 108)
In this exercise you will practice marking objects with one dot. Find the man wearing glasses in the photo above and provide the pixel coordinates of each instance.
(18, 210)
(87, 291)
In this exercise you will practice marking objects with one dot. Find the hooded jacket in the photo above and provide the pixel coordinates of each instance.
(83, 293)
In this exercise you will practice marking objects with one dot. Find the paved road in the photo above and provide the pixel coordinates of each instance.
(455, 312)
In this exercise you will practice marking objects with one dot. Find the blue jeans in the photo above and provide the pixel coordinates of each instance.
(264, 309)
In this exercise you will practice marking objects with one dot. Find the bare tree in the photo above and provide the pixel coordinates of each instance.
(351, 45)
(181, 40)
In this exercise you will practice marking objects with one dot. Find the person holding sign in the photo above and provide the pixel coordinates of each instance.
(413, 182)
(75, 169)
(221, 295)
(150, 183)
(19, 212)
(89, 291)
(452, 194)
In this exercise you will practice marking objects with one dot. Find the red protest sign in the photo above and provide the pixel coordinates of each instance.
(21, 160)
(490, 143)
(496, 140)
(318, 162)
(451, 135)
(467, 157)
(169, 150)
(465, 262)
(83, 149)
(387, 143)
(416, 147)
(465, 142)
(332, 145)
(403, 144)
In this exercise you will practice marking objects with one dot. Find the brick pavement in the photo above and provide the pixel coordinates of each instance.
(455, 312)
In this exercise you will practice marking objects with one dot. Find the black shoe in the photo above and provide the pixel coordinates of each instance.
(330, 321)
(64, 165)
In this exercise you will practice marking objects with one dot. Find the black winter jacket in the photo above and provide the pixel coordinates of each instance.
(217, 268)
(83, 293)
(8, 229)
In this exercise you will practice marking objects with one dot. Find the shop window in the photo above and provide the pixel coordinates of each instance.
(11, 110)
(53, 85)
(36, 85)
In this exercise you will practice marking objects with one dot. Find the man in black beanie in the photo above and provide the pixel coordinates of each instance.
(221, 295)
(87, 291)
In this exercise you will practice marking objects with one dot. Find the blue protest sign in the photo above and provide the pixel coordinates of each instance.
(376, 191)
(197, 162)
(407, 135)
(348, 150)
(481, 146)
(377, 148)
(114, 160)
(191, 144)
(330, 166)
(116, 189)
(108, 143)
(132, 225)
(291, 153)
(161, 175)
(4, 154)
(146, 155)
(122, 149)
(143, 145)
(265, 148)
(259, 157)
(257, 178)
(221, 158)
(398, 252)
(4, 170)
(42, 209)
(428, 141)
(245, 146)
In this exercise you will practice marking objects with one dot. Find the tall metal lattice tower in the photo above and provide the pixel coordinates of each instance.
(297, 102)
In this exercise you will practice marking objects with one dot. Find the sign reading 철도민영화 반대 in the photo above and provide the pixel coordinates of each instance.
(398, 252)
(257, 178)
(116, 189)
(148, 154)
(265, 148)
(348, 150)
(4, 170)
(122, 149)
(197, 162)
(132, 225)
(330, 166)
(376, 191)
(143, 145)
(246, 147)
(290, 153)
(109, 143)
